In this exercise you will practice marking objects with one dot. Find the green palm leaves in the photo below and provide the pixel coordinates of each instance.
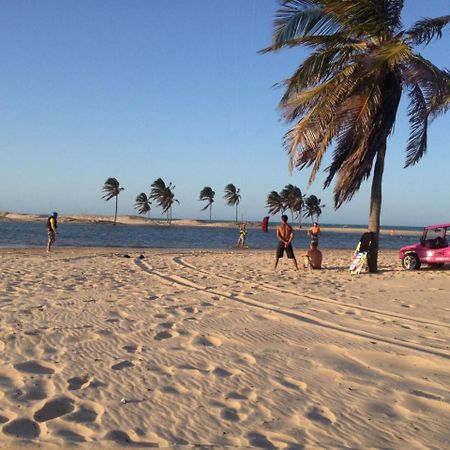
(112, 189)
(164, 196)
(290, 197)
(313, 208)
(346, 93)
(207, 194)
(232, 197)
(142, 203)
(275, 203)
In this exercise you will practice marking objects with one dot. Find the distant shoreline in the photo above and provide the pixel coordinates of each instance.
(136, 220)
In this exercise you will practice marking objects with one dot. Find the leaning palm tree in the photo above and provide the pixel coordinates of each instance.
(164, 196)
(293, 200)
(232, 197)
(111, 188)
(275, 203)
(346, 93)
(313, 208)
(142, 203)
(207, 194)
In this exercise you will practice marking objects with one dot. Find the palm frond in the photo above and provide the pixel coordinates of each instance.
(425, 30)
(232, 195)
(111, 188)
(418, 118)
(142, 203)
(298, 18)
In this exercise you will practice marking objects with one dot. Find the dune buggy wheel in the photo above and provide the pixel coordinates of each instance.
(411, 262)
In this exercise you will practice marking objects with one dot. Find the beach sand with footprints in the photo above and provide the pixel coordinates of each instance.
(178, 349)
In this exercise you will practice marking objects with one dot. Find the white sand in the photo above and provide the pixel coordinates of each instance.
(213, 348)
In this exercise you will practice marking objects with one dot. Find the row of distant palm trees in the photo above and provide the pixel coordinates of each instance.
(291, 198)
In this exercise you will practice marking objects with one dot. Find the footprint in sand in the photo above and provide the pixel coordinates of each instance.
(245, 358)
(34, 367)
(222, 373)
(163, 335)
(322, 415)
(83, 415)
(122, 365)
(208, 341)
(22, 428)
(38, 390)
(259, 440)
(167, 325)
(122, 438)
(3, 419)
(131, 348)
(291, 383)
(69, 435)
(230, 414)
(54, 408)
(77, 383)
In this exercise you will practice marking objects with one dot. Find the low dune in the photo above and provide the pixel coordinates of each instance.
(139, 220)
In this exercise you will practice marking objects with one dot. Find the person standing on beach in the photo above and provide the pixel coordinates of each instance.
(52, 225)
(242, 236)
(314, 232)
(285, 236)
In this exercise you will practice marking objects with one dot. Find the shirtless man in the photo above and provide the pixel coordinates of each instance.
(285, 236)
(312, 259)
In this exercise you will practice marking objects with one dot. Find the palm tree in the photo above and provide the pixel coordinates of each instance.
(293, 200)
(164, 196)
(207, 194)
(111, 188)
(142, 203)
(347, 91)
(275, 203)
(313, 208)
(232, 197)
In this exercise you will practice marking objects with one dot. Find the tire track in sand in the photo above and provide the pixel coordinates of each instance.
(304, 317)
(181, 262)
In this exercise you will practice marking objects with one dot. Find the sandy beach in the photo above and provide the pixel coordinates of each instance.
(180, 349)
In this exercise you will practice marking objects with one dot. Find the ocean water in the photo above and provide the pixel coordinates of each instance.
(34, 234)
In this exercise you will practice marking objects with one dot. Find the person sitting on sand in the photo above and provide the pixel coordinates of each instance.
(52, 225)
(312, 259)
(285, 236)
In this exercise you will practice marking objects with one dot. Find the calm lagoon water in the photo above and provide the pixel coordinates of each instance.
(34, 234)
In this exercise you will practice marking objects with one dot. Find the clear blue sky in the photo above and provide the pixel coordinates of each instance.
(141, 89)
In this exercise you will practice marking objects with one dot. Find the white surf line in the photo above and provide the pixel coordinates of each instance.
(293, 314)
(179, 260)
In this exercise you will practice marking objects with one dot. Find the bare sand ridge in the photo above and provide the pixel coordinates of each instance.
(181, 349)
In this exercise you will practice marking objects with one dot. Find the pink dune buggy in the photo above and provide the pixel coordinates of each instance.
(433, 248)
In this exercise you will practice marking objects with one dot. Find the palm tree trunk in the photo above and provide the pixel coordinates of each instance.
(391, 94)
(375, 209)
(210, 207)
(236, 213)
(115, 212)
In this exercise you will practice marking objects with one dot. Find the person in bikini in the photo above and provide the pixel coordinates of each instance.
(285, 236)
